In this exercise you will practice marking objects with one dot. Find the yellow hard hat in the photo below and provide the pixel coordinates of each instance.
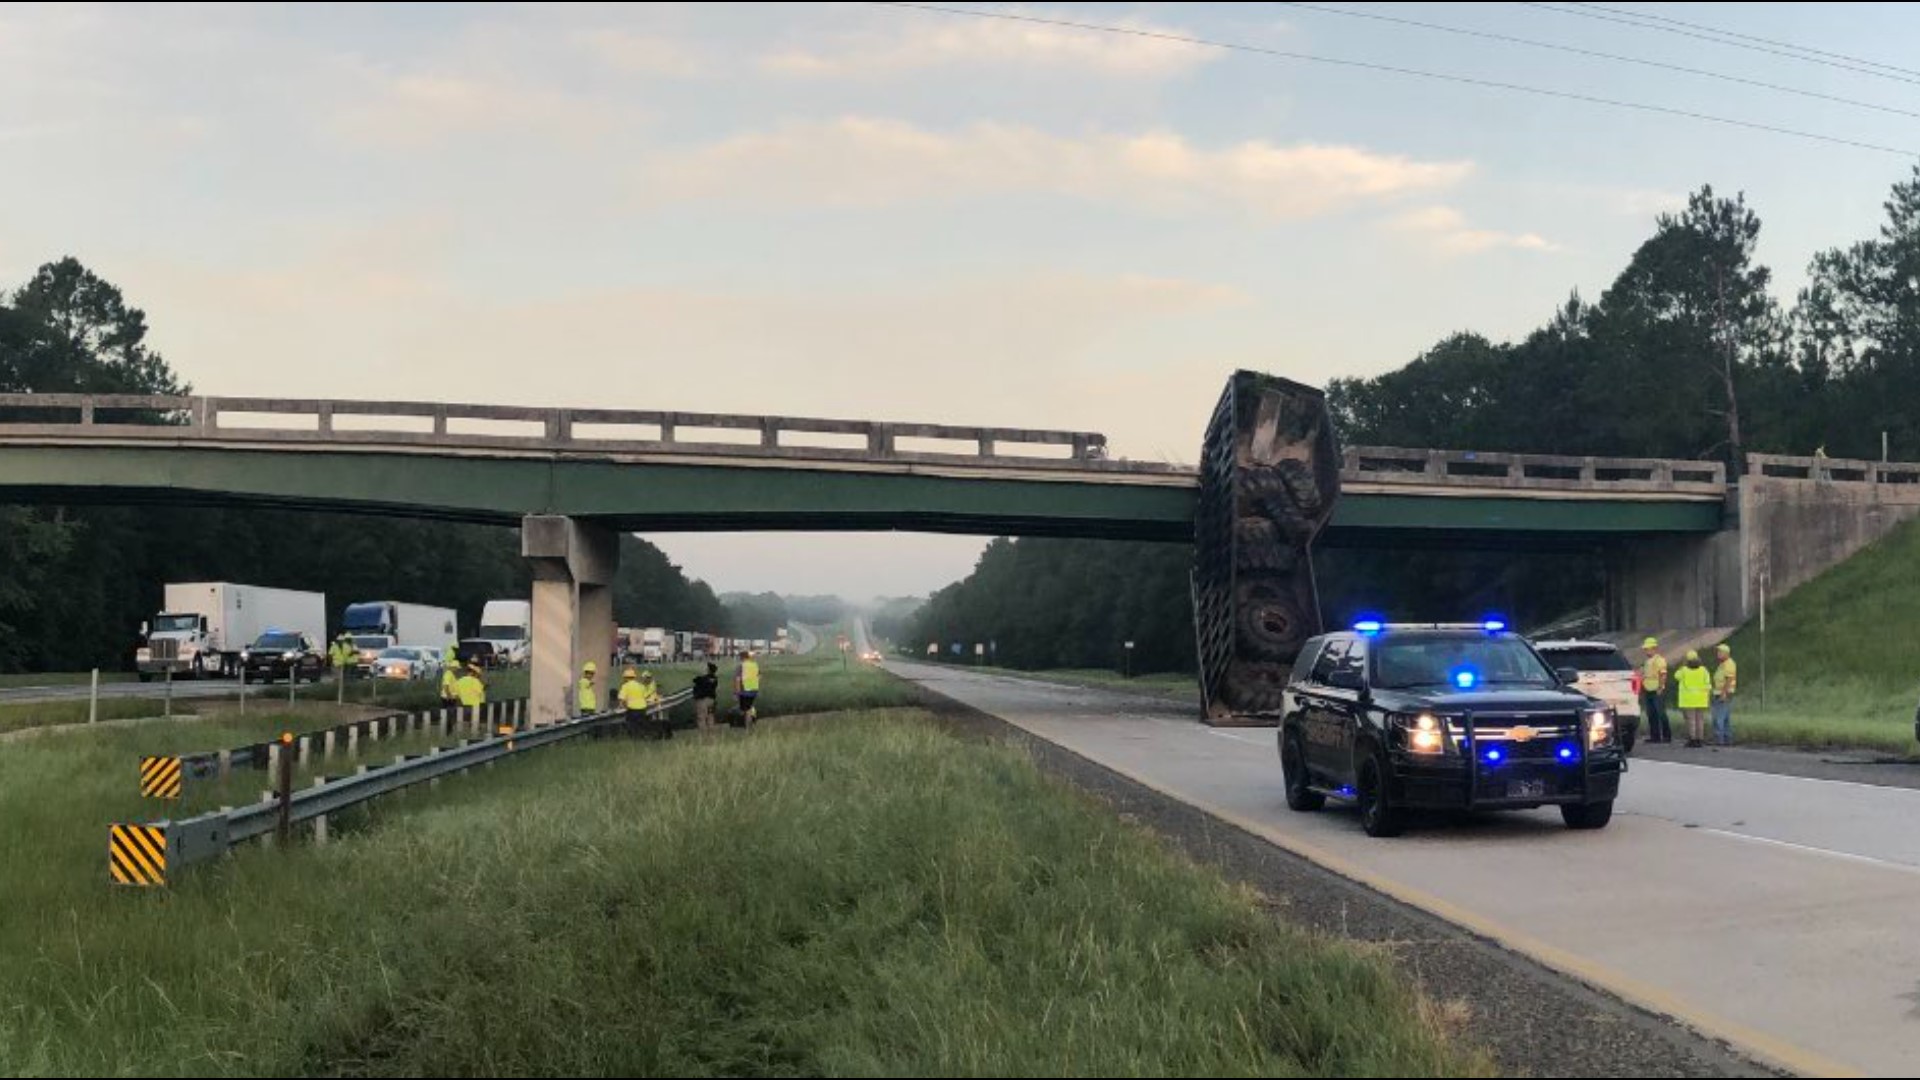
(473, 665)
(628, 674)
(1724, 649)
(646, 674)
(1650, 643)
(590, 667)
(1693, 654)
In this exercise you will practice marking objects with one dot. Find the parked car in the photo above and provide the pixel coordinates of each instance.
(1398, 718)
(283, 654)
(406, 662)
(1602, 672)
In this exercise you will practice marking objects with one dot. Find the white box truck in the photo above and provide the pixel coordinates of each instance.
(376, 625)
(505, 637)
(653, 645)
(206, 624)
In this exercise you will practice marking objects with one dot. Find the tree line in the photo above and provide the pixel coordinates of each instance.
(1687, 354)
(77, 581)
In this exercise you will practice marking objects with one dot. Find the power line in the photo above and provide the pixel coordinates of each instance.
(1808, 49)
(1367, 65)
(1790, 52)
(1578, 51)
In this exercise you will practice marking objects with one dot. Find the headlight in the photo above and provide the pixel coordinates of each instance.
(1599, 728)
(143, 655)
(246, 655)
(290, 655)
(1425, 734)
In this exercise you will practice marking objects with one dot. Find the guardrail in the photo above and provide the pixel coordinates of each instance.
(1468, 468)
(246, 419)
(164, 776)
(1833, 470)
(147, 854)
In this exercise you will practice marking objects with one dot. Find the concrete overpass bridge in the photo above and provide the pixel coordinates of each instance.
(574, 479)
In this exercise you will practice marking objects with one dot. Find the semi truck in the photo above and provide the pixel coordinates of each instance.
(653, 645)
(376, 625)
(203, 626)
(507, 627)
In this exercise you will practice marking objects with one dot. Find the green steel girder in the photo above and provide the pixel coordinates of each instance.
(723, 497)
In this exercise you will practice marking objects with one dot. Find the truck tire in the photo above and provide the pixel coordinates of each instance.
(1254, 687)
(1258, 545)
(200, 665)
(1270, 623)
(1587, 816)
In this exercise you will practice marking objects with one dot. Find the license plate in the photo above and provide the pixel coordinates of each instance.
(1526, 789)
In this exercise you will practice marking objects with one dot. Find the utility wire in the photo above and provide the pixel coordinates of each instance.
(1791, 52)
(1367, 65)
(1578, 51)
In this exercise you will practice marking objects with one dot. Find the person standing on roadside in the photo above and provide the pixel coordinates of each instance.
(1653, 691)
(746, 687)
(1694, 686)
(706, 694)
(1725, 684)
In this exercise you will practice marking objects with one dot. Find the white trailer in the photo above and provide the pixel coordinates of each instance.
(206, 624)
(508, 626)
(653, 645)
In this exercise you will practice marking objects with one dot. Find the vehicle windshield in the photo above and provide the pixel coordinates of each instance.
(398, 654)
(503, 633)
(1457, 661)
(175, 623)
(372, 641)
(278, 641)
(1587, 659)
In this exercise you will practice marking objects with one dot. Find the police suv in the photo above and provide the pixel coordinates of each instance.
(1442, 716)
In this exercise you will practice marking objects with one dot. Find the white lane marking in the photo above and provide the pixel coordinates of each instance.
(1830, 853)
(1235, 737)
(1738, 771)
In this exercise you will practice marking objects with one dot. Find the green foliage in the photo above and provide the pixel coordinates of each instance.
(76, 582)
(756, 615)
(708, 907)
(1066, 604)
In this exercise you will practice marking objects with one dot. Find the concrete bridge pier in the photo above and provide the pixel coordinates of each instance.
(573, 569)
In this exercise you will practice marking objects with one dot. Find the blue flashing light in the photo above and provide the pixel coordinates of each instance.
(1465, 679)
(1345, 793)
(1495, 756)
(1369, 626)
(1567, 753)
(1494, 626)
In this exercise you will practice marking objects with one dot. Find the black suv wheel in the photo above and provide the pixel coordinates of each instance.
(1378, 816)
(1587, 816)
(1293, 768)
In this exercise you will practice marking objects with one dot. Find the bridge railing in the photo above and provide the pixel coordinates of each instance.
(1387, 465)
(1833, 470)
(253, 419)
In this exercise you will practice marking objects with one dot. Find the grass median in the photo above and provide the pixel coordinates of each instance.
(62, 678)
(854, 895)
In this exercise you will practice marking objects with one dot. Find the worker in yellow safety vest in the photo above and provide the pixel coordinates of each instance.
(1726, 682)
(1693, 685)
(450, 684)
(587, 697)
(471, 691)
(1653, 693)
(633, 698)
(343, 655)
(746, 687)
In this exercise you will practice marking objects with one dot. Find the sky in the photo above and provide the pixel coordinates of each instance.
(883, 212)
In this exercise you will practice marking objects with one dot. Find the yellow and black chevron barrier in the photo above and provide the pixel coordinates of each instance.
(160, 777)
(137, 855)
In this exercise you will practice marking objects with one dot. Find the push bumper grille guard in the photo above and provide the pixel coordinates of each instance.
(1471, 745)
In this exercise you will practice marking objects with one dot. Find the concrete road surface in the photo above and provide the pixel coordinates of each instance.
(1778, 913)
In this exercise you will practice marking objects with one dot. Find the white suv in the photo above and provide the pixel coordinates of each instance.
(1604, 673)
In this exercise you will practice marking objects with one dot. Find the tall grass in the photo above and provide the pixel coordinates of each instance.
(859, 896)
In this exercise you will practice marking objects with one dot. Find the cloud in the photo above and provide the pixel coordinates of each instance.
(411, 108)
(922, 40)
(856, 161)
(1447, 230)
(644, 54)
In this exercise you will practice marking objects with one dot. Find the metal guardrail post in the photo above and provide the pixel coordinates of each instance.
(286, 788)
